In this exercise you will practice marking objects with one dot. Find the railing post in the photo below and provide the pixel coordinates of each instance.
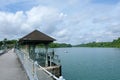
(35, 69)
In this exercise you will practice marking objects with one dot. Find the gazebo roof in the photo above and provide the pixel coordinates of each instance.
(36, 37)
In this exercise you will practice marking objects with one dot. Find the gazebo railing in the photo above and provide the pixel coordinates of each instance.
(33, 69)
(52, 57)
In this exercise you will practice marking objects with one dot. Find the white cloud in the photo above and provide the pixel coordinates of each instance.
(87, 21)
(43, 18)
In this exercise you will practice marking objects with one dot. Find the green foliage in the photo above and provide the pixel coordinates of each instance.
(9, 43)
(57, 45)
(114, 43)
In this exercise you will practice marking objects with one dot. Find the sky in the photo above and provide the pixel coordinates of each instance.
(68, 21)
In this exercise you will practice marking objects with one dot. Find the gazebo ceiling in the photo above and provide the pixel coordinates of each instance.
(36, 37)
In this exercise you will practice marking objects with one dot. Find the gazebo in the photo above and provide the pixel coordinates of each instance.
(34, 38)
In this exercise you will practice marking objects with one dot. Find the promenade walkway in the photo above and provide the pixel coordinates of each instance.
(10, 67)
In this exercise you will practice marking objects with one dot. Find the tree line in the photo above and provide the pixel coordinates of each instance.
(8, 43)
(11, 43)
(58, 45)
(114, 43)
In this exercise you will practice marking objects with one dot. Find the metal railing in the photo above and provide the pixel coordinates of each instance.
(33, 69)
(3, 50)
(51, 54)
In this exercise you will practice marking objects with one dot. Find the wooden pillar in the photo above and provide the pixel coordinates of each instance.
(50, 60)
(46, 61)
(31, 51)
(33, 56)
(27, 50)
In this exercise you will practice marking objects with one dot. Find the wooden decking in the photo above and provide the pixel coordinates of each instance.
(10, 67)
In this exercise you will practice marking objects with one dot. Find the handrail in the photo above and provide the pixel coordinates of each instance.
(22, 56)
(47, 72)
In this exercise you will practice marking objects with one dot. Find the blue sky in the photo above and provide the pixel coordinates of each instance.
(106, 1)
(69, 21)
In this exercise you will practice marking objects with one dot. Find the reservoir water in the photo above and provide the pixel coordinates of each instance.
(90, 63)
